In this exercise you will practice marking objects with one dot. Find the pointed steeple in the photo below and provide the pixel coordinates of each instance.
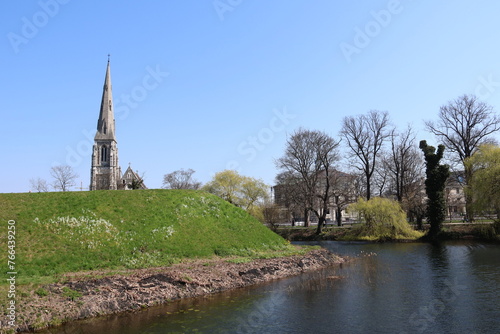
(106, 122)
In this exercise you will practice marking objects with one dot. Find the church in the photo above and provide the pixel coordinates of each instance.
(105, 171)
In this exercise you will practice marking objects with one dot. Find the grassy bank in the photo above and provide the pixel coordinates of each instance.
(57, 233)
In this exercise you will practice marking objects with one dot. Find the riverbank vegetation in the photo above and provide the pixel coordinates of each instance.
(480, 231)
(383, 219)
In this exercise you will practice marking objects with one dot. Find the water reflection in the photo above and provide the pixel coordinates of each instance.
(388, 288)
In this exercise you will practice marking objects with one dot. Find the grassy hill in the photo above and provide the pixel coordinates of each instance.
(79, 231)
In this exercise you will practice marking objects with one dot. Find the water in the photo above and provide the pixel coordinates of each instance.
(388, 288)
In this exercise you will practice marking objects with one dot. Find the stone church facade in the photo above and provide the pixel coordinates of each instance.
(105, 171)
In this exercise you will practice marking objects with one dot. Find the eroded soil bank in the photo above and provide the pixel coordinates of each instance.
(84, 297)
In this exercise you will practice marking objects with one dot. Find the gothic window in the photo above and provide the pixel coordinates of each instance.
(104, 153)
(109, 104)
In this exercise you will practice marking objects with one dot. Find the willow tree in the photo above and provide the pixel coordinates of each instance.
(243, 191)
(435, 182)
(484, 187)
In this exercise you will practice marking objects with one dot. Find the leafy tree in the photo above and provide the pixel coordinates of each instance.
(253, 191)
(64, 177)
(242, 191)
(365, 136)
(484, 187)
(226, 185)
(434, 186)
(181, 179)
(464, 124)
(309, 159)
(383, 219)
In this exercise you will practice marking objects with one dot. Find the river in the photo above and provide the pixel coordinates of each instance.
(453, 287)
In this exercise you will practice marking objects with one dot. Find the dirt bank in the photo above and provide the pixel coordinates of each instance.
(84, 296)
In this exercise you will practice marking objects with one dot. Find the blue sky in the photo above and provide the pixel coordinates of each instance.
(212, 85)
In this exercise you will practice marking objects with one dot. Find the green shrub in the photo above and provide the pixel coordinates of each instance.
(383, 219)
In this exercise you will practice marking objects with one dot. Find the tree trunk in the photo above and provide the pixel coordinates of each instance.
(306, 217)
(339, 216)
(321, 222)
(368, 188)
(420, 225)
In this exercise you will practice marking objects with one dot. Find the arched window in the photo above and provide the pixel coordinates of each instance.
(104, 153)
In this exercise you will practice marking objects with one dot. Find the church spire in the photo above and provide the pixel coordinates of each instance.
(105, 170)
(106, 122)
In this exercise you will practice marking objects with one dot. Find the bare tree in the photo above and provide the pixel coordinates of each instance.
(404, 163)
(464, 124)
(181, 179)
(380, 183)
(288, 194)
(344, 192)
(310, 157)
(39, 185)
(365, 136)
(415, 202)
(64, 177)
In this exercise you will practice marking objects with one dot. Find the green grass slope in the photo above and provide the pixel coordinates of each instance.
(78, 231)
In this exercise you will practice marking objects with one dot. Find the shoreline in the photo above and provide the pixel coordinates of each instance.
(470, 231)
(83, 297)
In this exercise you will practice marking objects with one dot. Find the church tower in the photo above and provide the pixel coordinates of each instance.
(105, 171)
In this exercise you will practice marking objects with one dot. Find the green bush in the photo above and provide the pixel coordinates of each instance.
(383, 219)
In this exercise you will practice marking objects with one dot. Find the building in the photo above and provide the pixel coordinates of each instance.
(105, 171)
(131, 180)
(290, 198)
(455, 195)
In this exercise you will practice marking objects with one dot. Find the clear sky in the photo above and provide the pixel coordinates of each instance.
(213, 85)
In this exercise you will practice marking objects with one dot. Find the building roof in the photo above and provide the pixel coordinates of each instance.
(106, 122)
